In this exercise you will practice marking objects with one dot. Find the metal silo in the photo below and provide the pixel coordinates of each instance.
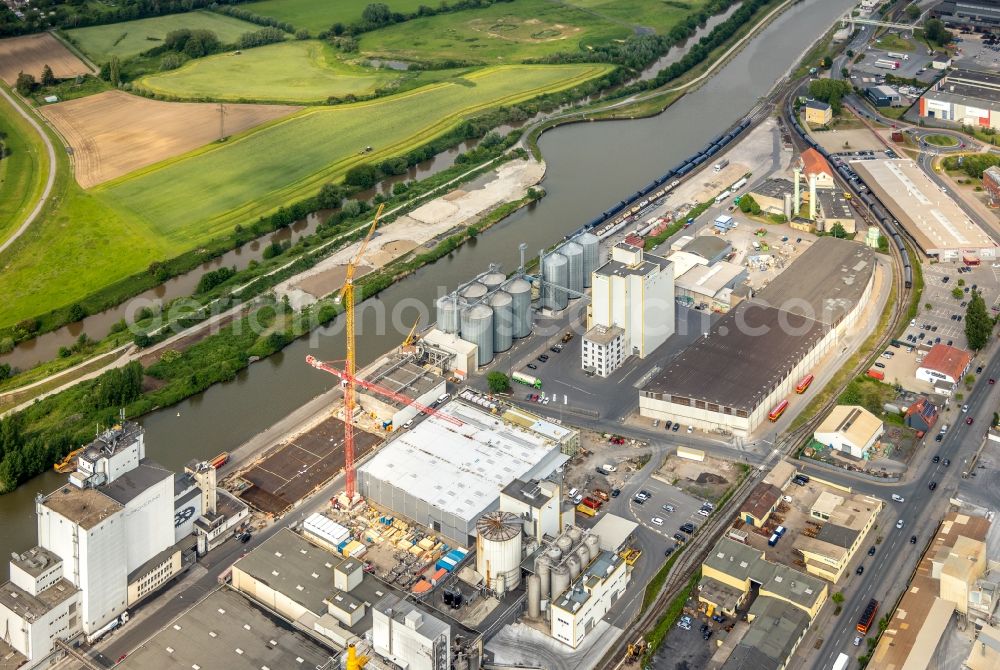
(591, 255)
(449, 313)
(502, 305)
(543, 569)
(573, 563)
(474, 291)
(560, 580)
(583, 553)
(574, 255)
(534, 597)
(520, 293)
(498, 550)
(555, 274)
(575, 535)
(493, 280)
(565, 544)
(477, 327)
(593, 544)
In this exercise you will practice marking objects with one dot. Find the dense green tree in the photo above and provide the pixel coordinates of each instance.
(48, 79)
(978, 323)
(498, 382)
(913, 12)
(364, 175)
(838, 231)
(115, 70)
(377, 14)
(935, 32)
(25, 83)
(76, 313)
(830, 91)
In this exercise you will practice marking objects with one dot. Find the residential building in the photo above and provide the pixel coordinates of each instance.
(850, 429)
(848, 520)
(581, 607)
(944, 363)
(409, 637)
(818, 113)
(966, 97)
(815, 167)
(770, 194)
(759, 505)
(991, 184)
(603, 350)
(883, 96)
(921, 416)
(634, 291)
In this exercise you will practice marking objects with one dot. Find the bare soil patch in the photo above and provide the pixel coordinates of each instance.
(114, 133)
(31, 53)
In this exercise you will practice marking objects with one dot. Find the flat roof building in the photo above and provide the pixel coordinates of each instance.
(882, 96)
(712, 285)
(710, 247)
(833, 209)
(850, 429)
(940, 227)
(401, 374)
(765, 344)
(582, 606)
(967, 97)
(982, 14)
(449, 470)
(848, 520)
(770, 194)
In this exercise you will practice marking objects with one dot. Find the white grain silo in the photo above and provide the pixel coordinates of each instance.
(543, 568)
(560, 580)
(498, 550)
(534, 597)
(573, 563)
(593, 544)
(583, 553)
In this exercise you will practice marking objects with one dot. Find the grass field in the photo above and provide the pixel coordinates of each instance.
(22, 173)
(306, 71)
(205, 194)
(134, 37)
(319, 15)
(114, 133)
(941, 140)
(658, 15)
(31, 53)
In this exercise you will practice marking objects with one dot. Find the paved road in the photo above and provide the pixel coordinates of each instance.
(886, 575)
(50, 180)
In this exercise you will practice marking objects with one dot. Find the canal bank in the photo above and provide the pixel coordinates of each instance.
(588, 166)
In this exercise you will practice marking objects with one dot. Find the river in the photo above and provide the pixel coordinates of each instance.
(590, 166)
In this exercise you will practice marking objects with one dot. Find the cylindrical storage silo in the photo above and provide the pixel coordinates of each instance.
(560, 580)
(555, 274)
(554, 554)
(498, 550)
(574, 534)
(583, 553)
(573, 563)
(503, 328)
(543, 568)
(534, 597)
(574, 257)
(474, 292)
(493, 280)
(593, 544)
(591, 255)
(477, 327)
(564, 543)
(520, 295)
(449, 313)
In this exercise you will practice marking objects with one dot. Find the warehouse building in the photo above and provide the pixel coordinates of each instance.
(760, 504)
(883, 96)
(850, 429)
(967, 97)
(711, 248)
(848, 520)
(449, 470)
(634, 292)
(776, 629)
(833, 209)
(712, 285)
(767, 344)
(969, 14)
(938, 225)
(770, 195)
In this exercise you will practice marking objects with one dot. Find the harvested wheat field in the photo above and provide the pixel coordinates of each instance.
(31, 53)
(114, 133)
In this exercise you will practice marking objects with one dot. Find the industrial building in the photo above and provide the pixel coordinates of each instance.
(966, 97)
(832, 209)
(115, 534)
(400, 373)
(449, 470)
(850, 429)
(225, 631)
(712, 248)
(951, 577)
(770, 195)
(767, 344)
(634, 292)
(409, 637)
(945, 365)
(818, 113)
(538, 504)
(815, 167)
(715, 286)
(968, 14)
(776, 629)
(848, 520)
(603, 350)
(760, 504)
(588, 598)
(883, 96)
(938, 225)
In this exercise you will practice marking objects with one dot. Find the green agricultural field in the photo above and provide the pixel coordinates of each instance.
(22, 173)
(319, 15)
(658, 15)
(134, 37)
(306, 71)
(204, 194)
(506, 32)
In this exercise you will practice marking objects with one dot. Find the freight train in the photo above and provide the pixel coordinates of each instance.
(625, 209)
(889, 224)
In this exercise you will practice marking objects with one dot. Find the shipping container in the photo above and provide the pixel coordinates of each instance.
(876, 374)
(583, 509)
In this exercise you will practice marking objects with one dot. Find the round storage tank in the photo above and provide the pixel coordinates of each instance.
(498, 550)
(560, 580)
(520, 295)
(449, 313)
(477, 327)
(574, 255)
(573, 563)
(564, 543)
(474, 291)
(554, 554)
(593, 544)
(591, 255)
(574, 534)
(583, 554)
(493, 280)
(502, 305)
(555, 272)
(543, 568)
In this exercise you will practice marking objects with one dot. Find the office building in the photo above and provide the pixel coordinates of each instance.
(944, 363)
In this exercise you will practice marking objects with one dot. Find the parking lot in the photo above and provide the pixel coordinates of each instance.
(945, 320)
(976, 52)
(665, 496)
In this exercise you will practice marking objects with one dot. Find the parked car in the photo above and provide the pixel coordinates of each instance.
(669, 509)
(532, 366)
(688, 528)
(675, 427)
(899, 524)
(946, 462)
(609, 467)
(969, 421)
(656, 521)
(860, 570)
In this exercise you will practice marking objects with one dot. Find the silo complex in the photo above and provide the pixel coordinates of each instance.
(574, 275)
(591, 255)
(555, 274)
(520, 293)
(493, 280)
(477, 327)
(498, 550)
(502, 305)
(449, 313)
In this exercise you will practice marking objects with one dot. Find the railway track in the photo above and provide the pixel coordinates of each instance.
(697, 549)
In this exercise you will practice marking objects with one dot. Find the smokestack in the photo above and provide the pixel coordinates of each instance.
(812, 197)
(798, 191)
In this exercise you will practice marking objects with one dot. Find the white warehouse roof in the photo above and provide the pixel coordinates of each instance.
(462, 469)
